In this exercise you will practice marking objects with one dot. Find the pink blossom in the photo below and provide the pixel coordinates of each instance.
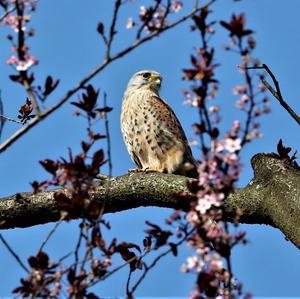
(240, 89)
(22, 65)
(216, 263)
(192, 217)
(13, 21)
(215, 230)
(240, 104)
(203, 205)
(187, 97)
(229, 144)
(214, 109)
(195, 101)
(203, 178)
(203, 250)
(143, 11)
(12, 60)
(236, 125)
(209, 200)
(158, 20)
(244, 98)
(231, 159)
(211, 30)
(25, 65)
(193, 142)
(213, 91)
(193, 263)
(130, 23)
(176, 6)
(253, 134)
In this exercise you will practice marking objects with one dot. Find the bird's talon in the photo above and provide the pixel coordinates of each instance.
(149, 169)
(134, 170)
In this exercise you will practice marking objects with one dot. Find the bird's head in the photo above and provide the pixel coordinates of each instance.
(146, 78)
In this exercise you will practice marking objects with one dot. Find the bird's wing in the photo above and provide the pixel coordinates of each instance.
(170, 123)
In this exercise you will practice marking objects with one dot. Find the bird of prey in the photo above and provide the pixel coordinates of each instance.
(152, 133)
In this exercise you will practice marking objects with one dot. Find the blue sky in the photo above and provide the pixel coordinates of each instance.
(69, 47)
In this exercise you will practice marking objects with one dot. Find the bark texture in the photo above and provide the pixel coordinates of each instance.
(272, 197)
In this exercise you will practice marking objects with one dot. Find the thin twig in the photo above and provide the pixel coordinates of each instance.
(65, 257)
(76, 253)
(7, 13)
(52, 231)
(277, 94)
(94, 282)
(167, 12)
(87, 248)
(11, 119)
(251, 97)
(107, 138)
(2, 119)
(13, 253)
(3, 5)
(101, 176)
(97, 70)
(228, 262)
(128, 284)
(112, 31)
(155, 261)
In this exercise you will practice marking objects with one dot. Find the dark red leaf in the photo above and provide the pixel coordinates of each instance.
(16, 78)
(96, 137)
(100, 28)
(98, 159)
(49, 166)
(147, 242)
(85, 146)
(104, 109)
(173, 249)
(153, 225)
(236, 26)
(91, 296)
(50, 85)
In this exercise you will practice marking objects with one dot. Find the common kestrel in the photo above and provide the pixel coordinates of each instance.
(152, 133)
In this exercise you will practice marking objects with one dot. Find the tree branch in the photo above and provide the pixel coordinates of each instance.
(276, 93)
(272, 197)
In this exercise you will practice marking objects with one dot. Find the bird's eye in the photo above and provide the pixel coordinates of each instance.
(146, 75)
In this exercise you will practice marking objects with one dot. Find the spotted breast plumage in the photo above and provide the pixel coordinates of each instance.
(152, 133)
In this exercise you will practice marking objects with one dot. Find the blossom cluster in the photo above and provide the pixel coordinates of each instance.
(22, 65)
(154, 18)
(220, 166)
(18, 20)
(254, 104)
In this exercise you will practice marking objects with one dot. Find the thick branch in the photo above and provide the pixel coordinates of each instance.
(272, 197)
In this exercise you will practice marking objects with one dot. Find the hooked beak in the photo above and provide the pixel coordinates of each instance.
(156, 79)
